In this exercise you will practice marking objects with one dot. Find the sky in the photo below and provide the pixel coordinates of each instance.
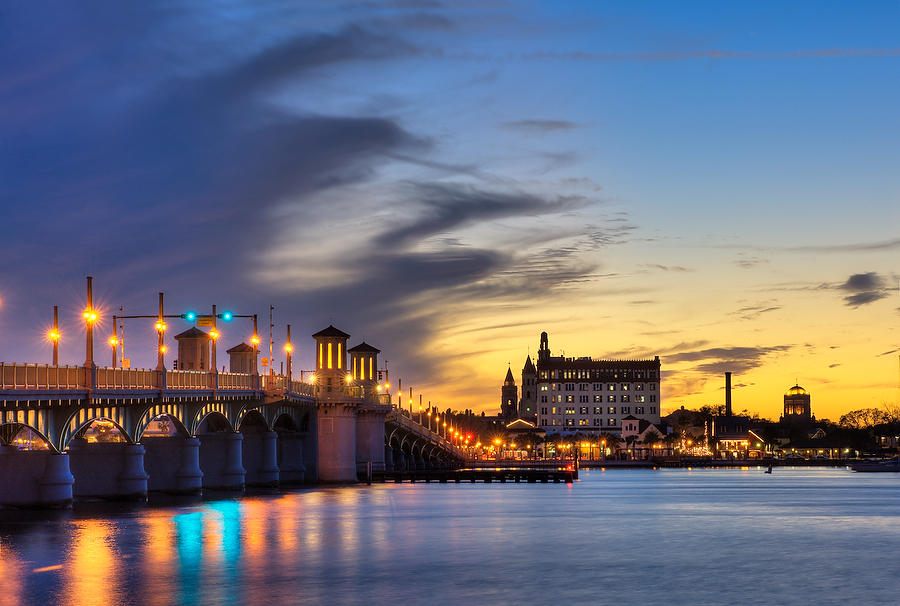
(718, 185)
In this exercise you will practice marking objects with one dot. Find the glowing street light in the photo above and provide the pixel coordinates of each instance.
(54, 335)
(213, 334)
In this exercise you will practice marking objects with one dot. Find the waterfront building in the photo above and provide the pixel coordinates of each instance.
(509, 395)
(645, 439)
(730, 432)
(587, 395)
(797, 405)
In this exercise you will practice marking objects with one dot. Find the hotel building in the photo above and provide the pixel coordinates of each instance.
(587, 395)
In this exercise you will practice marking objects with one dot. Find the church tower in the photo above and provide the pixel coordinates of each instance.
(797, 404)
(509, 396)
(528, 401)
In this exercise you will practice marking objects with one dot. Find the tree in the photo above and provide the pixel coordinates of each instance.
(611, 440)
(650, 438)
(630, 441)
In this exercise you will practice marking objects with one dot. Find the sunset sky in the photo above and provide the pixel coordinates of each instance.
(716, 184)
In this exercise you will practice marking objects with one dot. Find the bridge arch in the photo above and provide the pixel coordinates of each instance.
(213, 410)
(11, 435)
(82, 420)
(175, 412)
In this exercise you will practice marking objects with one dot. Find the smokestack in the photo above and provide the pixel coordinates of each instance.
(728, 394)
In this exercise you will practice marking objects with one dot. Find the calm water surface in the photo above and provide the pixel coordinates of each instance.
(798, 536)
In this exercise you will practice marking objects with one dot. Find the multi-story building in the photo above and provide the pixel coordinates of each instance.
(587, 395)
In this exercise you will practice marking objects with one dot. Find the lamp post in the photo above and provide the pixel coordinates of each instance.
(160, 331)
(90, 316)
(288, 350)
(54, 335)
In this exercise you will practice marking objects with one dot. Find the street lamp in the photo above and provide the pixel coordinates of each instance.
(54, 335)
(113, 343)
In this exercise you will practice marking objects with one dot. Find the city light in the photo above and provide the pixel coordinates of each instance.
(160, 326)
(255, 340)
(213, 334)
(189, 316)
(163, 349)
(225, 315)
(288, 347)
(348, 379)
(113, 341)
(90, 316)
(53, 335)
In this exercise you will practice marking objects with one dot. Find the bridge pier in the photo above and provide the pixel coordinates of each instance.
(112, 470)
(290, 458)
(370, 441)
(221, 460)
(337, 442)
(38, 478)
(260, 458)
(388, 458)
(173, 464)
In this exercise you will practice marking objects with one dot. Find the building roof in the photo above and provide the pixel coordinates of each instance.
(363, 348)
(796, 390)
(529, 365)
(240, 348)
(331, 331)
(509, 377)
(520, 424)
(192, 333)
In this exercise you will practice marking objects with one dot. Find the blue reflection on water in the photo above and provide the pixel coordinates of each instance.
(799, 536)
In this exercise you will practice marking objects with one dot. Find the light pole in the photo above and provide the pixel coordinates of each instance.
(160, 331)
(90, 316)
(54, 335)
(288, 350)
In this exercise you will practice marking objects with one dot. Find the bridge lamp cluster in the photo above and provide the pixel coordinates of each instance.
(90, 316)
(255, 340)
(54, 335)
(113, 341)
(163, 349)
(214, 334)
(160, 326)
(288, 348)
(348, 379)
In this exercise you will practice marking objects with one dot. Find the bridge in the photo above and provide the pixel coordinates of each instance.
(75, 432)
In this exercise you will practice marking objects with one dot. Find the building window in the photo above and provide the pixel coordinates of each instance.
(610, 398)
(610, 422)
(625, 398)
(598, 398)
(544, 399)
(570, 422)
(611, 410)
(544, 387)
(653, 410)
(570, 398)
(570, 410)
(582, 387)
(653, 387)
(598, 422)
(624, 386)
(583, 410)
(638, 410)
(544, 411)
(639, 398)
(653, 398)
(570, 387)
(555, 422)
(597, 386)
(553, 410)
(639, 387)
(582, 422)
(583, 399)
(625, 410)
(611, 387)
(598, 410)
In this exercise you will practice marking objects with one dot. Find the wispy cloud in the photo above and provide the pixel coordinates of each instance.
(864, 288)
(720, 359)
(540, 126)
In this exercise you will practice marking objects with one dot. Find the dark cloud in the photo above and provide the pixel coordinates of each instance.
(749, 262)
(671, 268)
(540, 126)
(864, 288)
(752, 312)
(720, 359)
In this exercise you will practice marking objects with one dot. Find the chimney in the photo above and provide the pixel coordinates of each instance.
(728, 394)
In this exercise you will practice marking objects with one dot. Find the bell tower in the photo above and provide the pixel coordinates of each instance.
(509, 396)
(544, 351)
(331, 362)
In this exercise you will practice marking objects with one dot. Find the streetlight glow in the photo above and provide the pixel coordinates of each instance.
(53, 335)
(90, 316)
(288, 347)
(254, 339)
(213, 334)
(160, 326)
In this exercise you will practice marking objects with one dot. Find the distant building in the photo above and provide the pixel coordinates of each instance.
(797, 405)
(731, 432)
(587, 395)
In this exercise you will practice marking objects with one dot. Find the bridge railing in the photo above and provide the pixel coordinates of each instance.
(41, 376)
(126, 378)
(189, 379)
(402, 418)
(234, 380)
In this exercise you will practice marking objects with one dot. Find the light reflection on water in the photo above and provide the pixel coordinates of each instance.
(798, 536)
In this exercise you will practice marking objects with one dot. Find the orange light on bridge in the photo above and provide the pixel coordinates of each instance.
(255, 340)
(90, 316)
(53, 335)
(163, 349)
(113, 341)
(213, 334)
(312, 378)
(160, 326)
(288, 347)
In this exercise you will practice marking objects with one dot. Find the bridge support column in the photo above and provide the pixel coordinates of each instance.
(388, 458)
(370, 440)
(337, 441)
(290, 458)
(173, 464)
(34, 479)
(113, 470)
(260, 458)
(399, 461)
(220, 460)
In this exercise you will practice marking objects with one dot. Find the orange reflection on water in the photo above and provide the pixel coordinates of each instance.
(11, 571)
(288, 525)
(91, 573)
(159, 559)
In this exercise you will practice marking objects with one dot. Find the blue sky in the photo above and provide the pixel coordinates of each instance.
(716, 183)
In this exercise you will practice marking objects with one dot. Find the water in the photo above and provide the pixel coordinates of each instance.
(798, 536)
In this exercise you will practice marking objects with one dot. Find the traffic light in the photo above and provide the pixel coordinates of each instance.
(225, 315)
(189, 316)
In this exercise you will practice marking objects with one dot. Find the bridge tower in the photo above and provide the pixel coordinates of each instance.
(336, 410)
(370, 448)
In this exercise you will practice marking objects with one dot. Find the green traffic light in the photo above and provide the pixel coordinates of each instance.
(189, 316)
(225, 315)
